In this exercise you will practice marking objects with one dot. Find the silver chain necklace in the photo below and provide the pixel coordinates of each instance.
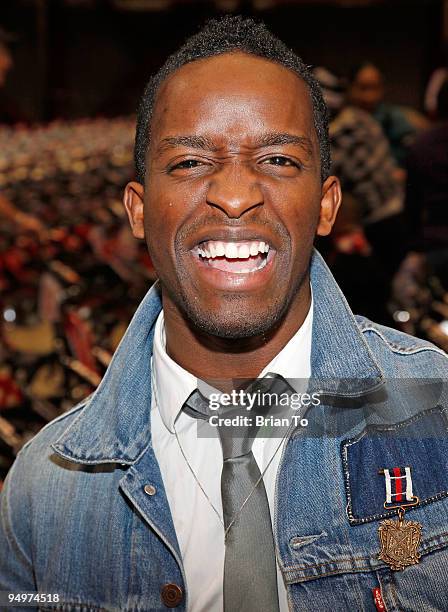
(238, 512)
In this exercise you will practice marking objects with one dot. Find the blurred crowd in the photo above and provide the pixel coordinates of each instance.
(389, 248)
(71, 274)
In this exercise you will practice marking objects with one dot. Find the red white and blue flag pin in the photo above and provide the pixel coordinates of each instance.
(399, 539)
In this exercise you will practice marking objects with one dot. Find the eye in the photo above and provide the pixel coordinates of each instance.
(187, 164)
(280, 160)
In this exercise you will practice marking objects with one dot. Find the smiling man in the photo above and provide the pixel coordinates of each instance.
(128, 502)
(235, 193)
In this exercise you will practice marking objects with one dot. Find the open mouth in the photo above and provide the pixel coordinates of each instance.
(244, 257)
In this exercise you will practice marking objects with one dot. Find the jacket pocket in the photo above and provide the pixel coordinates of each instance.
(420, 443)
(333, 556)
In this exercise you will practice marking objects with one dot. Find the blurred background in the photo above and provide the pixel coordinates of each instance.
(71, 74)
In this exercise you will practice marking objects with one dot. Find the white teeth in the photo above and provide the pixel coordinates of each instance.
(220, 249)
(243, 251)
(231, 251)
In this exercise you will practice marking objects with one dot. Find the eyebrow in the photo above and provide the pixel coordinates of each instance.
(283, 138)
(206, 143)
(192, 142)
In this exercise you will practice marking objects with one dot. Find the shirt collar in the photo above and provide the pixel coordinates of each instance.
(114, 424)
(294, 360)
(172, 385)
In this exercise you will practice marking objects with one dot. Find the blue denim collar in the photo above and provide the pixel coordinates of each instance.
(114, 425)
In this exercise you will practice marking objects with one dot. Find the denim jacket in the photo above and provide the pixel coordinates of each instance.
(84, 513)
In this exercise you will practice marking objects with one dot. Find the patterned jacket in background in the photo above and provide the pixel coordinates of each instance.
(364, 163)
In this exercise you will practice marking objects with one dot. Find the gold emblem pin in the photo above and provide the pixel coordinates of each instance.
(399, 539)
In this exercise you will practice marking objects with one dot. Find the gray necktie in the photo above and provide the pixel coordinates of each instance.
(250, 573)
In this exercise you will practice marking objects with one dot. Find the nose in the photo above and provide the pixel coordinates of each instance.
(235, 190)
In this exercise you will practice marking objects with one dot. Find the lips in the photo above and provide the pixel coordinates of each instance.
(236, 257)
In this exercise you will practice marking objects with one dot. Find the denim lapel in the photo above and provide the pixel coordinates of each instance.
(341, 360)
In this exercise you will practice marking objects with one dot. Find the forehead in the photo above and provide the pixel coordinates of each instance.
(369, 74)
(232, 92)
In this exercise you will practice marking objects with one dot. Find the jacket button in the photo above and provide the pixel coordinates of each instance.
(149, 490)
(171, 595)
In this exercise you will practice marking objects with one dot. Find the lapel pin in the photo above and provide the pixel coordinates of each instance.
(399, 539)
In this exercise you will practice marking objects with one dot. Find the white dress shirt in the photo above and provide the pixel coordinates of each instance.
(199, 530)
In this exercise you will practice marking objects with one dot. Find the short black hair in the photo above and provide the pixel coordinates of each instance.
(224, 35)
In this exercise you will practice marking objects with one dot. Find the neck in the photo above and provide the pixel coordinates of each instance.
(212, 358)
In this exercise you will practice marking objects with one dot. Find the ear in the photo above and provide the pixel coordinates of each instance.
(133, 203)
(329, 205)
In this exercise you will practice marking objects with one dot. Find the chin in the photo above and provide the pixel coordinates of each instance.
(236, 323)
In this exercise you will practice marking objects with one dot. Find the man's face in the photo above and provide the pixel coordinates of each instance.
(233, 195)
(367, 90)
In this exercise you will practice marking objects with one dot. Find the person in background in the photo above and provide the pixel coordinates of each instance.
(10, 110)
(23, 220)
(367, 179)
(420, 287)
(366, 91)
(426, 202)
(6, 62)
(363, 161)
(435, 82)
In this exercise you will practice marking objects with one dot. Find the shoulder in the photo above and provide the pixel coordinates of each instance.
(389, 111)
(29, 480)
(51, 431)
(405, 354)
(34, 455)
